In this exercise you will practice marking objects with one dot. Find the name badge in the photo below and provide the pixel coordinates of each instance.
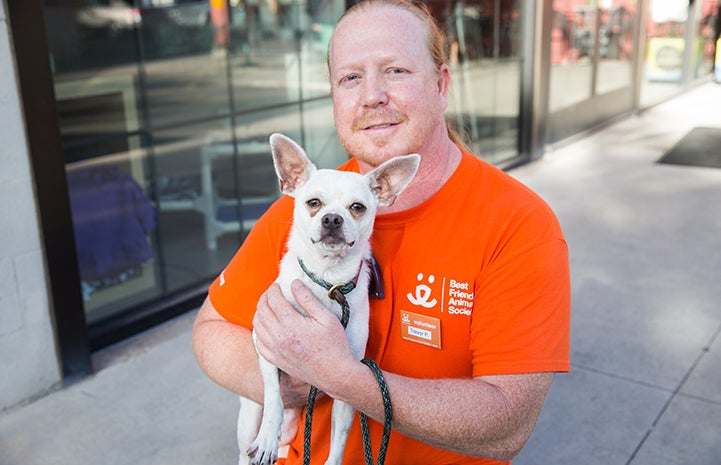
(422, 329)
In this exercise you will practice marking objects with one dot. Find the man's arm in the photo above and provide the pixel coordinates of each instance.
(490, 416)
(226, 353)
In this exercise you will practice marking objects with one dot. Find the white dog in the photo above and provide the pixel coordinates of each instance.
(332, 224)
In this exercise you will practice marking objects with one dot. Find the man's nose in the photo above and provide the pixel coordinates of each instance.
(374, 91)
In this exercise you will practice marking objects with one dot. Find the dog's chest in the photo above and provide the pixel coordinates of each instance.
(356, 298)
(353, 302)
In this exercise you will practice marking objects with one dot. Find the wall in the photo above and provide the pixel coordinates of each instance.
(28, 358)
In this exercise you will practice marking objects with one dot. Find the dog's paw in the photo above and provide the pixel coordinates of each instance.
(263, 451)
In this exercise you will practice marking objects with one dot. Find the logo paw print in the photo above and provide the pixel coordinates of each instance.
(422, 296)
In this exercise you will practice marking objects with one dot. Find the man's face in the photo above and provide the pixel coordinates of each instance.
(388, 96)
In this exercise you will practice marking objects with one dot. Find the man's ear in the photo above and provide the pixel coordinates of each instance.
(391, 177)
(291, 164)
(444, 83)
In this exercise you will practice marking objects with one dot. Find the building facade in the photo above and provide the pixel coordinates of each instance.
(135, 139)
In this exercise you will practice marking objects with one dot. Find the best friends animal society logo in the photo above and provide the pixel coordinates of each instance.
(454, 297)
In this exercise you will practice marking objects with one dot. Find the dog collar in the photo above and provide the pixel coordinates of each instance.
(336, 292)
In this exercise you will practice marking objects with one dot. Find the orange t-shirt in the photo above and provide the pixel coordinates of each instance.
(476, 282)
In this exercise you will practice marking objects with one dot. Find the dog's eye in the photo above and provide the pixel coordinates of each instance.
(313, 203)
(357, 208)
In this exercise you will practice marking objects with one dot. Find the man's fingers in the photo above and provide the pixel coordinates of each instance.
(308, 302)
(271, 306)
(303, 344)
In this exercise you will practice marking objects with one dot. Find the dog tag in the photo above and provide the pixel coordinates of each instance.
(375, 286)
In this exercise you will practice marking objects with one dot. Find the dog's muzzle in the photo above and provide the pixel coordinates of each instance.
(331, 233)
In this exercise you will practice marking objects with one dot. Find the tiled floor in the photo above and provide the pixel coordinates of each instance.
(645, 251)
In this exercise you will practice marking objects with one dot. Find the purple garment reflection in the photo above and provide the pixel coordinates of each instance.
(112, 217)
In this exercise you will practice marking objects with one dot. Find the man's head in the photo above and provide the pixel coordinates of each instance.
(389, 81)
(435, 36)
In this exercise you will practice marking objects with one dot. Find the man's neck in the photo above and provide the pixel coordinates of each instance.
(435, 170)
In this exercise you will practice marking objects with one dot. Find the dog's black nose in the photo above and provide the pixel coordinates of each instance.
(332, 221)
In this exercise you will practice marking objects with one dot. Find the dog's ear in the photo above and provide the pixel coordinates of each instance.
(391, 177)
(291, 163)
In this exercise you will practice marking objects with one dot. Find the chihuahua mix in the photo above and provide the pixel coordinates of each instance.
(329, 251)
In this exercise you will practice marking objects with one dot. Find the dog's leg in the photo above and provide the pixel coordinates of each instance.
(291, 418)
(343, 413)
(248, 423)
(264, 450)
(341, 419)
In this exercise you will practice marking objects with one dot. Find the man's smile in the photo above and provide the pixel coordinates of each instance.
(380, 126)
(379, 119)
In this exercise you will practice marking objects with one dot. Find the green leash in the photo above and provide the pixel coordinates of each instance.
(337, 292)
(388, 414)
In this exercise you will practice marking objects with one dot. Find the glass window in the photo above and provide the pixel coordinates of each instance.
(587, 38)
(211, 187)
(183, 77)
(109, 185)
(591, 72)
(279, 48)
(573, 42)
(166, 171)
(708, 29)
(615, 44)
(665, 46)
(484, 47)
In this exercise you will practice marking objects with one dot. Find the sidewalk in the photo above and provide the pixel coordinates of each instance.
(645, 242)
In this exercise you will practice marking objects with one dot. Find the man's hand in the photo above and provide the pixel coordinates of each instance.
(311, 348)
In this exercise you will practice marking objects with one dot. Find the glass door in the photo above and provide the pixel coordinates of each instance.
(680, 45)
(486, 56)
(591, 69)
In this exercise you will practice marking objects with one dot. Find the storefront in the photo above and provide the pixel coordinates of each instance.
(149, 124)
(609, 57)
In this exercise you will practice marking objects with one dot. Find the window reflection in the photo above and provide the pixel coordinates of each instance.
(665, 46)
(484, 55)
(108, 183)
(113, 221)
(572, 45)
(591, 47)
(708, 30)
(667, 64)
(615, 45)
(203, 178)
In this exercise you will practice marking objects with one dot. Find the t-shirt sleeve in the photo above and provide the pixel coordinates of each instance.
(521, 320)
(254, 267)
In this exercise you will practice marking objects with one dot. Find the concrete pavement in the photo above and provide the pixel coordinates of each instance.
(645, 243)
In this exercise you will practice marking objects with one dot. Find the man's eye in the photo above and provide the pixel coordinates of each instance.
(350, 79)
(358, 208)
(313, 203)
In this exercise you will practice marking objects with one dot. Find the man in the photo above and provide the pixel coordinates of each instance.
(466, 253)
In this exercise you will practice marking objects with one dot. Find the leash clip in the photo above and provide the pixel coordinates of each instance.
(333, 290)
